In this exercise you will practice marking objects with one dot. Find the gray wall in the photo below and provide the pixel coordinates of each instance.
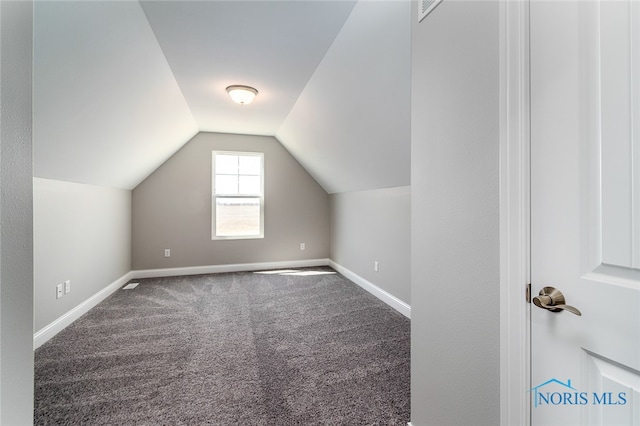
(455, 216)
(172, 209)
(81, 233)
(368, 226)
(16, 242)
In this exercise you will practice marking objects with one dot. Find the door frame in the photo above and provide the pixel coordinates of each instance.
(515, 198)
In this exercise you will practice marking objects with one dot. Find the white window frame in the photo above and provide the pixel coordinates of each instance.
(214, 196)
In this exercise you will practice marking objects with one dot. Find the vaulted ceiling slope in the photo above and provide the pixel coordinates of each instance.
(119, 86)
(274, 46)
(350, 127)
(107, 110)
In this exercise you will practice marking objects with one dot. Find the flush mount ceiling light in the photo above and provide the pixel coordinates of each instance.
(242, 94)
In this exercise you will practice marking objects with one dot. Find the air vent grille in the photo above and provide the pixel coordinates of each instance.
(426, 6)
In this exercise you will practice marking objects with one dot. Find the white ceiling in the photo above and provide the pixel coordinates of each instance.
(119, 86)
(273, 46)
(106, 109)
(351, 124)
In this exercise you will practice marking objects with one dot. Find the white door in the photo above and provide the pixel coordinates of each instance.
(585, 211)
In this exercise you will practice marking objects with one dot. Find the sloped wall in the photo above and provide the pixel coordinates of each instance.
(172, 209)
(107, 107)
(350, 125)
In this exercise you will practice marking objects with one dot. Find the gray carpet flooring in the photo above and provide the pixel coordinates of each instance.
(229, 349)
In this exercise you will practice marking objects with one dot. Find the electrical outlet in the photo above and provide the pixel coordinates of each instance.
(376, 266)
(167, 252)
(302, 246)
(59, 291)
(67, 286)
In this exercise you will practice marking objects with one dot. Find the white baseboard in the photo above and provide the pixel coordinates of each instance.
(50, 330)
(381, 294)
(65, 320)
(239, 267)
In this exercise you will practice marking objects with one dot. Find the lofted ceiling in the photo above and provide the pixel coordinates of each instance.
(119, 86)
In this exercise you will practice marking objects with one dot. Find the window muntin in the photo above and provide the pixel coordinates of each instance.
(238, 195)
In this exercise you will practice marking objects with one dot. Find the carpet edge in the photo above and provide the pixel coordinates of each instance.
(56, 326)
(388, 298)
(47, 332)
(237, 267)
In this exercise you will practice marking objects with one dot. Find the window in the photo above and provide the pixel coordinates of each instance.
(238, 195)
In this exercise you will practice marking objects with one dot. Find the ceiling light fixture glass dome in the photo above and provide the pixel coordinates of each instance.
(242, 95)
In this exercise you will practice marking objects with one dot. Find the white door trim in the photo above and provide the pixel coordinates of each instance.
(514, 213)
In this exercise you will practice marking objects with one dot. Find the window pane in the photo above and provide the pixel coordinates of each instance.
(226, 164)
(237, 217)
(249, 165)
(226, 184)
(250, 185)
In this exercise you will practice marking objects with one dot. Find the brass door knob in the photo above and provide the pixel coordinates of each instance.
(552, 299)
